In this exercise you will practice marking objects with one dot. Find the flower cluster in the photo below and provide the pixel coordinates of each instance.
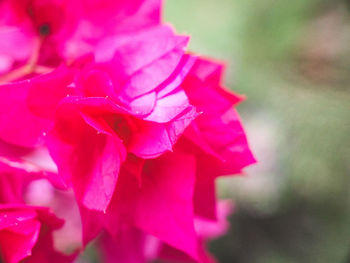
(109, 131)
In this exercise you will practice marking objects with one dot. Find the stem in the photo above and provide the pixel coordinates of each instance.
(16, 74)
(42, 69)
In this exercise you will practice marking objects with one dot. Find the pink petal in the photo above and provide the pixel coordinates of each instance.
(86, 159)
(153, 139)
(164, 207)
(227, 137)
(204, 199)
(206, 229)
(203, 87)
(19, 234)
(17, 170)
(167, 108)
(27, 107)
(142, 63)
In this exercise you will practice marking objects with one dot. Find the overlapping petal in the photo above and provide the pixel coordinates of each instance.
(26, 232)
(28, 106)
(132, 102)
(87, 160)
(102, 100)
(161, 205)
(216, 137)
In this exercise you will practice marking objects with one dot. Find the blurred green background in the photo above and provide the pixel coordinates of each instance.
(292, 60)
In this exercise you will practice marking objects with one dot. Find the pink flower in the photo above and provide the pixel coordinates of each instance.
(161, 197)
(101, 101)
(26, 232)
(130, 102)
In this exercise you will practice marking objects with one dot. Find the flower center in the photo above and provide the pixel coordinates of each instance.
(44, 30)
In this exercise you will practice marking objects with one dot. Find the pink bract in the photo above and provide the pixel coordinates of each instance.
(128, 103)
(216, 137)
(103, 111)
(26, 232)
(31, 104)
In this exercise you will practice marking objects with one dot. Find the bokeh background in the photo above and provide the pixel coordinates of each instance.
(292, 61)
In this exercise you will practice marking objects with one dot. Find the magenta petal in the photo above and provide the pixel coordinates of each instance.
(178, 76)
(143, 105)
(204, 89)
(16, 246)
(97, 83)
(86, 159)
(12, 181)
(153, 139)
(29, 130)
(206, 230)
(19, 167)
(92, 223)
(177, 126)
(227, 137)
(147, 13)
(19, 232)
(193, 133)
(27, 107)
(164, 207)
(45, 251)
(99, 190)
(142, 61)
(124, 15)
(168, 107)
(95, 170)
(15, 175)
(217, 131)
(94, 105)
(104, 18)
(204, 199)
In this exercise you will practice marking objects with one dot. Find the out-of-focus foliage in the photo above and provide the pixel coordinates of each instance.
(292, 60)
